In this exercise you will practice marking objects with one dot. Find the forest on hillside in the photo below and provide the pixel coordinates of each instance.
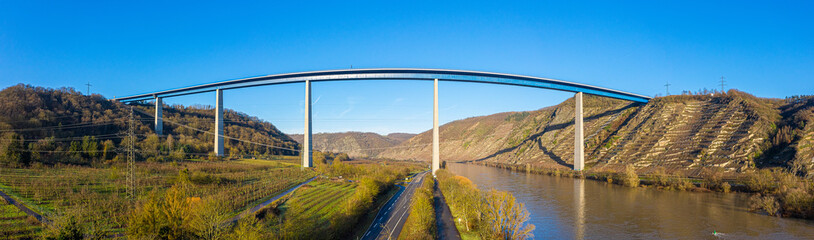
(61, 126)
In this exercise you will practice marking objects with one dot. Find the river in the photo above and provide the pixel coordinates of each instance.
(567, 208)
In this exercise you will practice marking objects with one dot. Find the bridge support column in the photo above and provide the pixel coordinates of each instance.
(159, 116)
(219, 122)
(436, 149)
(306, 138)
(579, 141)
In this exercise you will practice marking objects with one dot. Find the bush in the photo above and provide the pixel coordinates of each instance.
(766, 204)
(65, 228)
(798, 203)
(713, 180)
(761, 181)
(661, 178)
(725, 187)
(167, 216)
(628, 177)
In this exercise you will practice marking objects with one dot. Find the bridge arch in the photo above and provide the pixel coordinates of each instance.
(385, 74)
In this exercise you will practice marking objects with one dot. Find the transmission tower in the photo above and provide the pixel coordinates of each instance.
(131, 158)
(722, 85)
(667, 86)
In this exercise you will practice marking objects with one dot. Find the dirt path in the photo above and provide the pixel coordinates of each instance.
(267, 202)
(23, 208)
(443, 217)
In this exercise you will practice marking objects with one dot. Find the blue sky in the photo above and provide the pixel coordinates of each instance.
(125, 48)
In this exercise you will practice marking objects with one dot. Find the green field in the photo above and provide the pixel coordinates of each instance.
(15, 224)
(320, 199)
(99, 196)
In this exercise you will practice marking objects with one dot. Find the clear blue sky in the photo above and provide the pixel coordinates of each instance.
(764, 48)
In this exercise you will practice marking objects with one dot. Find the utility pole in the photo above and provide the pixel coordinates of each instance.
(131, 158)
(722, 85)
(88, 84)
(667, 88)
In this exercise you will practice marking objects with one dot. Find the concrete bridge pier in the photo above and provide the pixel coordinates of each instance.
(436, 149)
(219, 122)
(159, 119)
(579, 141)
(306, 140)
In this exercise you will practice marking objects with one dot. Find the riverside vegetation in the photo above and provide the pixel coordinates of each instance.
(776, 191)
(481, 214)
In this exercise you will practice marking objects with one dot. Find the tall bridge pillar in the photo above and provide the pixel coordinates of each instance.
(159, 117)
(579, 141)
(436, 150)
(219, 122)
(306, 138)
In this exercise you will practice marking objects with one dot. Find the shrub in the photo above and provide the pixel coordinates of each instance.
(713, 180)
(681, 183)
(68, 228)
(629, 177)
(761, 181)
(247, 228)
(164, 217)
(766, 204)
(725, 187)
(798, 203)
(661, 178)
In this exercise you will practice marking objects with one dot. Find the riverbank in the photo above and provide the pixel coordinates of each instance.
(774, 191)
(576, 208)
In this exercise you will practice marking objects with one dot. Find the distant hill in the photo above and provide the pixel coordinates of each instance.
(63, 126)
(355, 144)
(401, 137)
(684, 133)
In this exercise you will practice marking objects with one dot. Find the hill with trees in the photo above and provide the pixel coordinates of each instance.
(49, 126)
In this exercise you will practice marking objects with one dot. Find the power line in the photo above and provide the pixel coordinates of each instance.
(131, 158)
(61, 127)
(224, 136)
(88, 84)
(97, 137)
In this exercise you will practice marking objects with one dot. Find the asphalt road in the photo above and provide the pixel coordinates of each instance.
(390, 219)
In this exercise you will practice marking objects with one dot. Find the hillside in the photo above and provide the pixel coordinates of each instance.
(51, 126)
(683, 133)
(355, 144)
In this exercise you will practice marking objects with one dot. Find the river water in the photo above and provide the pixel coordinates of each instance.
(567, 208)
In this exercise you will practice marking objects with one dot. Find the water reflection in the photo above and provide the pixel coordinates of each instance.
(579, 199)
(565, 208)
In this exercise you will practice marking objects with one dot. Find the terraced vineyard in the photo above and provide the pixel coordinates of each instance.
(99, 194)
(15, 224)
(321, 199)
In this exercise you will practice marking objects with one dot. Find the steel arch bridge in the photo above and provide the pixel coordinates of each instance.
(384, 74)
